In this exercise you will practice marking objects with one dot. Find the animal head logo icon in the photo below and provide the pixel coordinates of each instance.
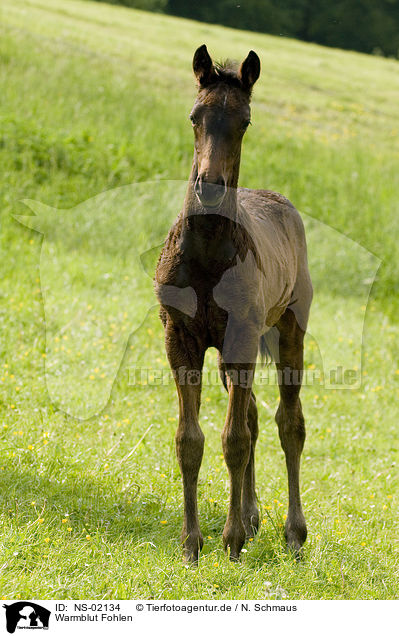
(26, 615)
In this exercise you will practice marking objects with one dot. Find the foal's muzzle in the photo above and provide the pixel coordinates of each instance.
(210, 195)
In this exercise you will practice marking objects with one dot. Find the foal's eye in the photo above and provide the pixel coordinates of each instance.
(193, 120)
(246, 124)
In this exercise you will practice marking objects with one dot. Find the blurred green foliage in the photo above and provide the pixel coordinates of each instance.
(369, 26)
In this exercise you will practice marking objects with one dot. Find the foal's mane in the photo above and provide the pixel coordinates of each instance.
(226, 72)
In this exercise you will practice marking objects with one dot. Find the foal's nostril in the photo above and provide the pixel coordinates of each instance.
(197, 186)
(221, 182)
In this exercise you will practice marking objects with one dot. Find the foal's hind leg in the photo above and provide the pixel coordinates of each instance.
(250, 513)
(186, 360)
(291, 423)
(249, 507)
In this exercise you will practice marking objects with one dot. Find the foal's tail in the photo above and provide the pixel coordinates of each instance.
(264, 350)
(269, 346)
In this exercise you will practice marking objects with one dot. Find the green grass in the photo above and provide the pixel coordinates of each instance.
(95, 97)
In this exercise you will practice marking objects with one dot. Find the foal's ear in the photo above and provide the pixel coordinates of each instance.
(249, 71)
(203, 66)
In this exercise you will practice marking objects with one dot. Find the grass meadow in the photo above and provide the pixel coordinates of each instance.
(94, 98)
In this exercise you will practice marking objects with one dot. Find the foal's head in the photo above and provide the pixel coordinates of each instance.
(220, 117)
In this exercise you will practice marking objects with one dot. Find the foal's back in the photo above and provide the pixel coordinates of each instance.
(281, 268)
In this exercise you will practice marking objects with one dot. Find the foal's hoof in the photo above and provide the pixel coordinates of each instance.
(250, 520)
(295, 533)
(233, 540)
(192, 546)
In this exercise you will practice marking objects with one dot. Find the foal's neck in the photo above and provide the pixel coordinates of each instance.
(208, 237)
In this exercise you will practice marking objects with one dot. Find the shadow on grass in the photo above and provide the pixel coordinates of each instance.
(134, 516)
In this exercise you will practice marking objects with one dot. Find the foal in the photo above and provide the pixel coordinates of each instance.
(233, 275)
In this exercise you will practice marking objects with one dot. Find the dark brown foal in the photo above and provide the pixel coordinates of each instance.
(233, 275)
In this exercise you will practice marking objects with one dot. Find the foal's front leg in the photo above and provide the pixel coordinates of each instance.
(236, 440)
(249, 507)
(186, 361)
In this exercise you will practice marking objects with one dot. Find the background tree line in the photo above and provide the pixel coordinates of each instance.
(369, 26)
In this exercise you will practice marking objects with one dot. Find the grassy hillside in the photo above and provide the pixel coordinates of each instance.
(93, 97)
